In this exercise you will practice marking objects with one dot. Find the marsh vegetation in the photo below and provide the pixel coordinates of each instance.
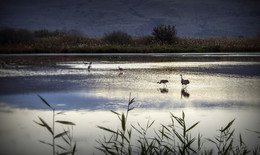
(163, 39)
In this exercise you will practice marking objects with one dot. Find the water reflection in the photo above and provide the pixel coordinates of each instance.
(184, 93)
(163, 90)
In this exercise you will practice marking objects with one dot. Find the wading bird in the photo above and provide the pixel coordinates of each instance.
(184, 82)
(121, 69)
(89, 66)
(164, 82)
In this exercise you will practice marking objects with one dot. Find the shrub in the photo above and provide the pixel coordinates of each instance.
(118, 37)
(165, 34)
(46, 33)
(12, 36)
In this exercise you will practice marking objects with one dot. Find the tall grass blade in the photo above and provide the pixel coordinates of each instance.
(39, 123)
(179, 136)
(65, 153)
(61, 147)
(231, 134)
(131, 108)
(66, 140)
(229, 124)
(60, 113)
(240, 140)
(61, 134)
(46, 125)
(151, 124)
(137, 129)
(74, 149)
(66, 122)
(131, 101)
(211, 141)
(46, 143)
(45, 102)
(115, 112)
(123, 122)
(106, 129)
(192, 126)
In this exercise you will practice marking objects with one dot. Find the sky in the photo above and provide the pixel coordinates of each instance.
(192, 18)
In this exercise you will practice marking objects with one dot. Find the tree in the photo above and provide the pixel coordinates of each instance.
(165, 34)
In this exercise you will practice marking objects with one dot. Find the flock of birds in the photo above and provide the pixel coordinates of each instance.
(183, 82)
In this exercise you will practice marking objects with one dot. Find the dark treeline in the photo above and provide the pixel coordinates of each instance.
(161, 34)
(163, 38)
(16, 36)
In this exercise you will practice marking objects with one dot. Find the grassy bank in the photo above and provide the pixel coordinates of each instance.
(80, 44)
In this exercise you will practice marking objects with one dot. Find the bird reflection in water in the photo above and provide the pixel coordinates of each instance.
(163, 90)
(184, 93)
(120, 74)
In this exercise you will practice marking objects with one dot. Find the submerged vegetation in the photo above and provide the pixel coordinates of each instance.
(175, 138)
(163, 39)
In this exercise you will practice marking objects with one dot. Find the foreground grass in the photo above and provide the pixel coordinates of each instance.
(68, 44)
(172, 139)
(175, 138)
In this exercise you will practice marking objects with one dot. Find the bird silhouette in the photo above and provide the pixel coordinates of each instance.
(164, 82)
(184, 82)
(89, 66)
(121, 69)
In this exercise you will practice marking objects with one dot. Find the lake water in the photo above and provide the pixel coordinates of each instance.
(219, 91)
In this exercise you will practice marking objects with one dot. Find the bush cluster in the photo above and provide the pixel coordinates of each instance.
(118, 37)
(165, 34)
(11, 36)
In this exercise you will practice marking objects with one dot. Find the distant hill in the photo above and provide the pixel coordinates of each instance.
(193, 18)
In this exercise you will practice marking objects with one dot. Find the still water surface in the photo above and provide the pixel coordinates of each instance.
(218, 92)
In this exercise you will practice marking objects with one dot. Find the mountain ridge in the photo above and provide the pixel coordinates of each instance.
(200, 18)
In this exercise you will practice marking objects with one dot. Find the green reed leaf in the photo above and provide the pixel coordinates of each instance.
(66, 122)
(229, 124)
(129, 133)
(123, 122)
(131, 108)
(65, 153)
(151, 124)
(46, 125)
(106, 129)
(61, 147)
(45, 102)
(66, 140)
(60, 134)
(39, 123)
(192, 126)
(131, 101)
(74, 149)
(137, 129)
(211, 141)
(240, 140)
(46, 143)
(178, 136)
(231, 134)
(115, 112)
(60, 113)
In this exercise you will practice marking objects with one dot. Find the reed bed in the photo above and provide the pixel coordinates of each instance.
(82, 44)
(175, 138)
